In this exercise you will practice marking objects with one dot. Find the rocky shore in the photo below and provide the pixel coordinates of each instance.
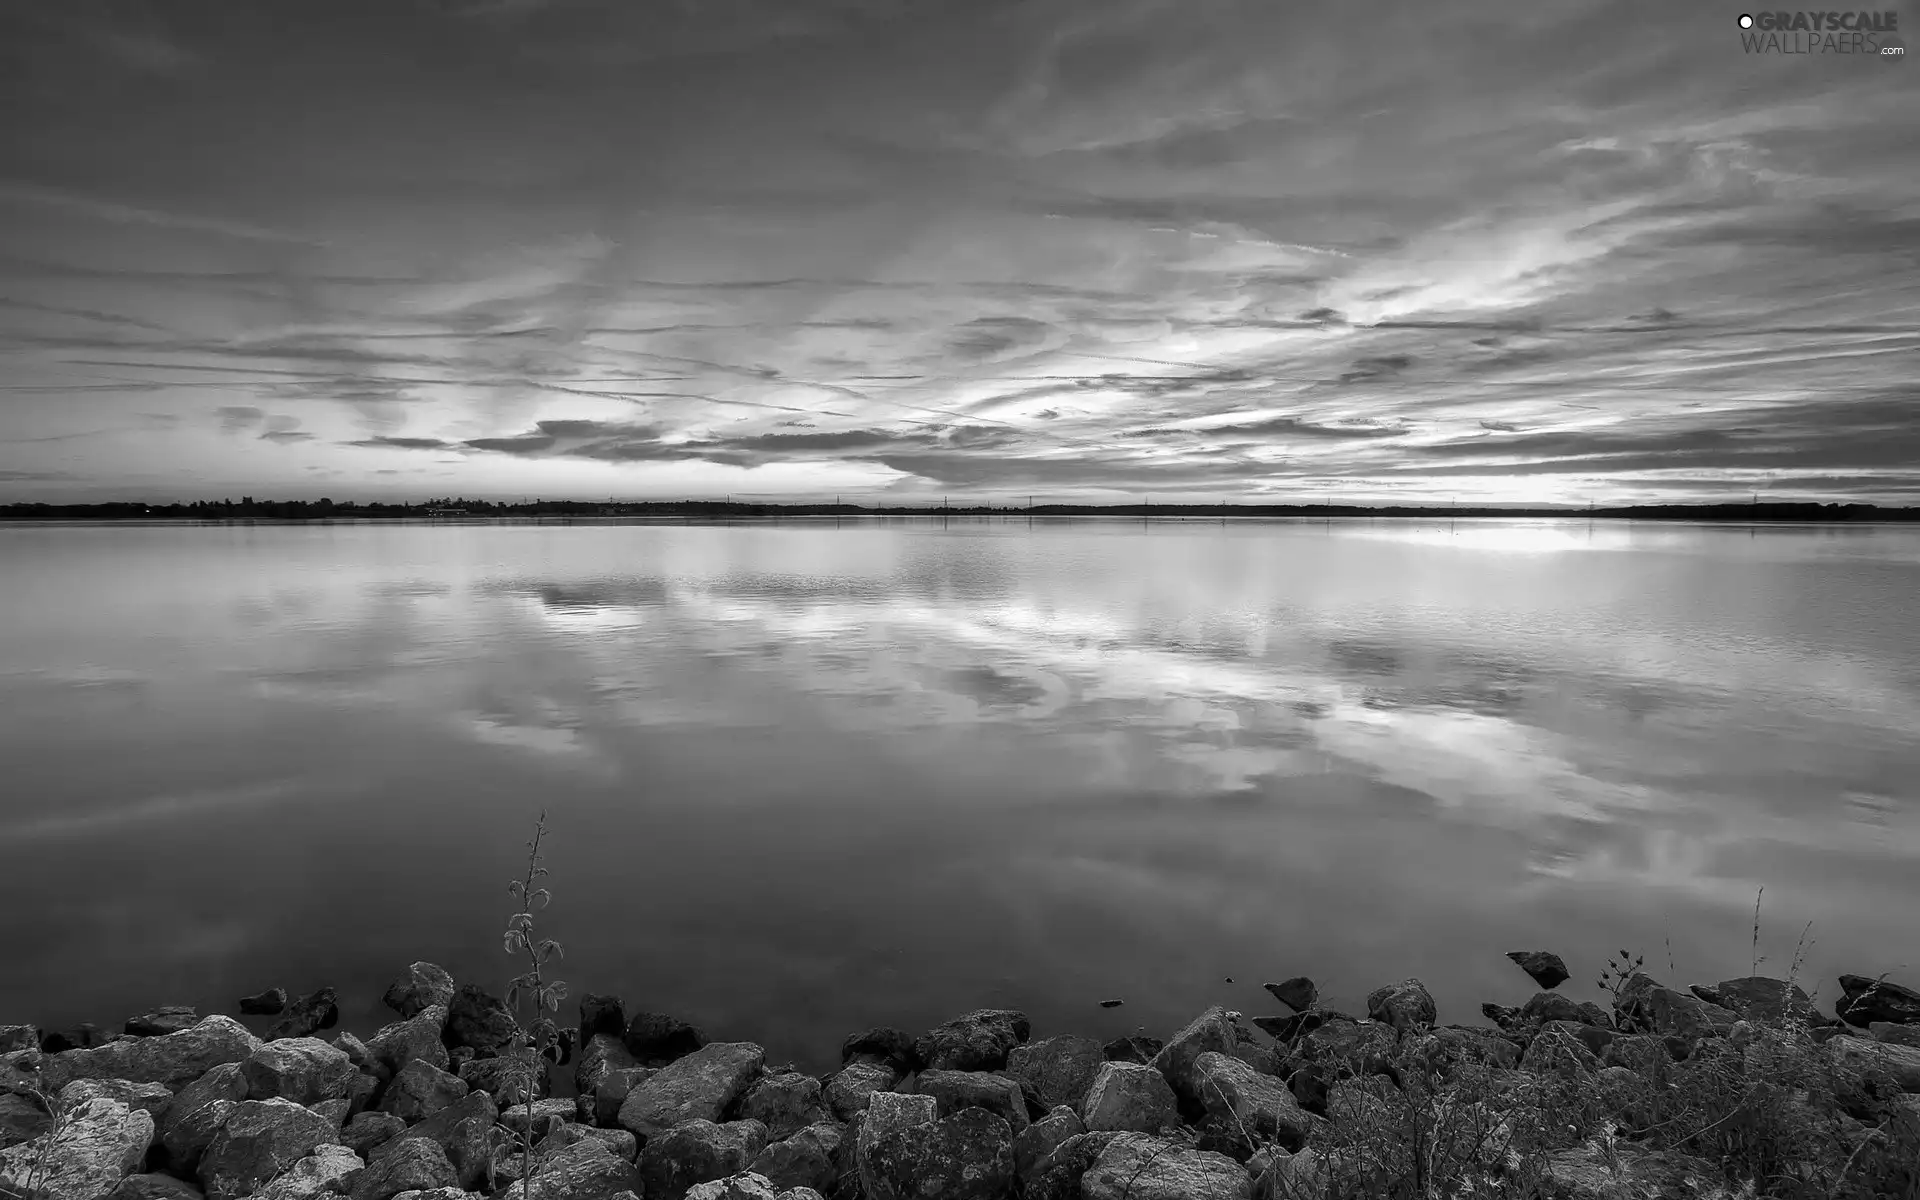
(1739, 1088)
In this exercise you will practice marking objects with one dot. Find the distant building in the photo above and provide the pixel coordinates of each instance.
(446, 512)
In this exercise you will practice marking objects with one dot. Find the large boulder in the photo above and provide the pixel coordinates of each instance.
(1557, 1006)
(304, 1070)
(307, 1016)
(700, 1086)
(967, 1156)
(174, 1059)
(1058, 1070)
(412, 1164)
(1854, 1056)
(1130, 1097)
(155, 1187)
(328, 1170)
(22, 1118)
(18, 1037)
(151, 1098)
(463, 1131)
(603, 1106)
(270, 1003)
(978, 1041)
(696, 1151)
(785, 1103)
(805, 1159)
(1134, 1048)
(600, 1055)
(588, 1169)
(1242, 1101)
(506, 1077)
(368, 1131)
(1594, 1172)
(955, 1090)
(168, 1018)
(1758, 998)
(423, 986)
(259, 1140)
(1136, 1166)
(1899, 1035)
(1032, 1145)
(655, 1039)
(1866, 1000)
(1297, 993)
(98, 1145)
(478, 1019)
(1541, 966)
(602, 1016)
(421, 1090)
(420, 1036)
(1058, 1175)
(191, 1119)
(1211, 1030)
(1406, 1006)
(882, 1044)
(848, 1089)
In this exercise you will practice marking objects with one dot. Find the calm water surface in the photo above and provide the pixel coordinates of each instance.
(803, 779)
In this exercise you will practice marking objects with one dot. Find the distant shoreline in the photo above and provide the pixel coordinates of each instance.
(479, 512)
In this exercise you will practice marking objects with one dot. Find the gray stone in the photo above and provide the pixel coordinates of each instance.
(506, 1076)
(412, 1164)
(270, 1003)
(1032, 1145)
(1865, 1000)
(585, 1170)
(600, 1056)
(98, 1145)
(1297, 993)
(22, 1118)
(155, 1187)
(655, 1039)
(953, 1091)
(304, 1070)
(805, 1159)
(697, 1151)
(1137, 1166)
(1059, 1070)
(978, 1041)
(1240, 1099)
(423, 986)
(1853, 1056)
(356, 1051)
(1405, 1006)
(192, 1122)
(1605, 1173)
(1558, 1050)
(307, 1016)
(368, 1131)
(174, 1059)
(602, 1016)
(967, 1156)
(1759, 998)
(1898, 1035)
(417, 1037)
(154, 1099)
(335, 1111)
(463, 1130)
(623, 1144)
(329, 1170)
(613, 1091)
(1211, 1030)
(849, 1088)
(1541, 966)
(1058, 1175)
(700, 1086)
(421, 1090)
(745, 1186)
(1130, 1097)
(18, 1037)
(785, 1103)
(882, 1044)
(542, 1116)
(259, 1140)
(168, 1018)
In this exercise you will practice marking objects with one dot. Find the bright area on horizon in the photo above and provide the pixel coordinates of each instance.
(1378, 250)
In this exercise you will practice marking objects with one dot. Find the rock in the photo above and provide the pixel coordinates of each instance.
(18, 1037)
(544, 1116)
(421, 1090)
(978, 1041)
(423, 986)
(1853, 1056)
(270, 1003)
(307, 1016)
(1130, 1097)
(892, 1046)
(697, 1151)
(1058, 1069)
(967, 1156)
(84, 1036)
(1241, 1100)
(151, 1098)
(174, 1059)
(655, 1039)
(785, 1103)
(1446, 1047)
(1557, 1050)
(1597, 1173)
(602, 1016)
(1637, 1052)
(417, 1037)
(1551, 1006)
(304, 1070)
(506, 1077)
(1111, 1003)
(259, 1140)
(586, 1170)
(613, 1092)
(956, 1090)
(22, 1118)
(1544, 968)
(479, 1019)
(1758, 998)
(806, 1159)
(1360, 1045)
(800, 1193)
(1211, 1030)
(1406, 1006)
(1297, 993)
(747, 1185)
(463, 1130)
(190, 1121)
(621, 1143)
(155, 1187)
(1502, 1015)
(367, 1132)
(1137, 1166)
(1868, 1000)
(848, 1089)
(410, 1164)
(98, 1145)
(329, 1170)
(169, 1018)
(1032, 1145)
(699, 1086)
(1134, 1049)
(1058, 1175)
(600, 1055)
(1898, 1035)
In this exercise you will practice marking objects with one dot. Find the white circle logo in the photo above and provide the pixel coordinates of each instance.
(1746, 21)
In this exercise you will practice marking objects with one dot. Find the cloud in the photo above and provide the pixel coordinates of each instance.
(130, 214)
(236, 417)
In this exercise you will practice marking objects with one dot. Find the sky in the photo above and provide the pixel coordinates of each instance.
(1373, 250)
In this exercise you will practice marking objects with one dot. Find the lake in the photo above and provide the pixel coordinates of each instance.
(802, 779)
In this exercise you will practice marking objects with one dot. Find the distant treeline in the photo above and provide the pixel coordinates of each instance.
(454, 508)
